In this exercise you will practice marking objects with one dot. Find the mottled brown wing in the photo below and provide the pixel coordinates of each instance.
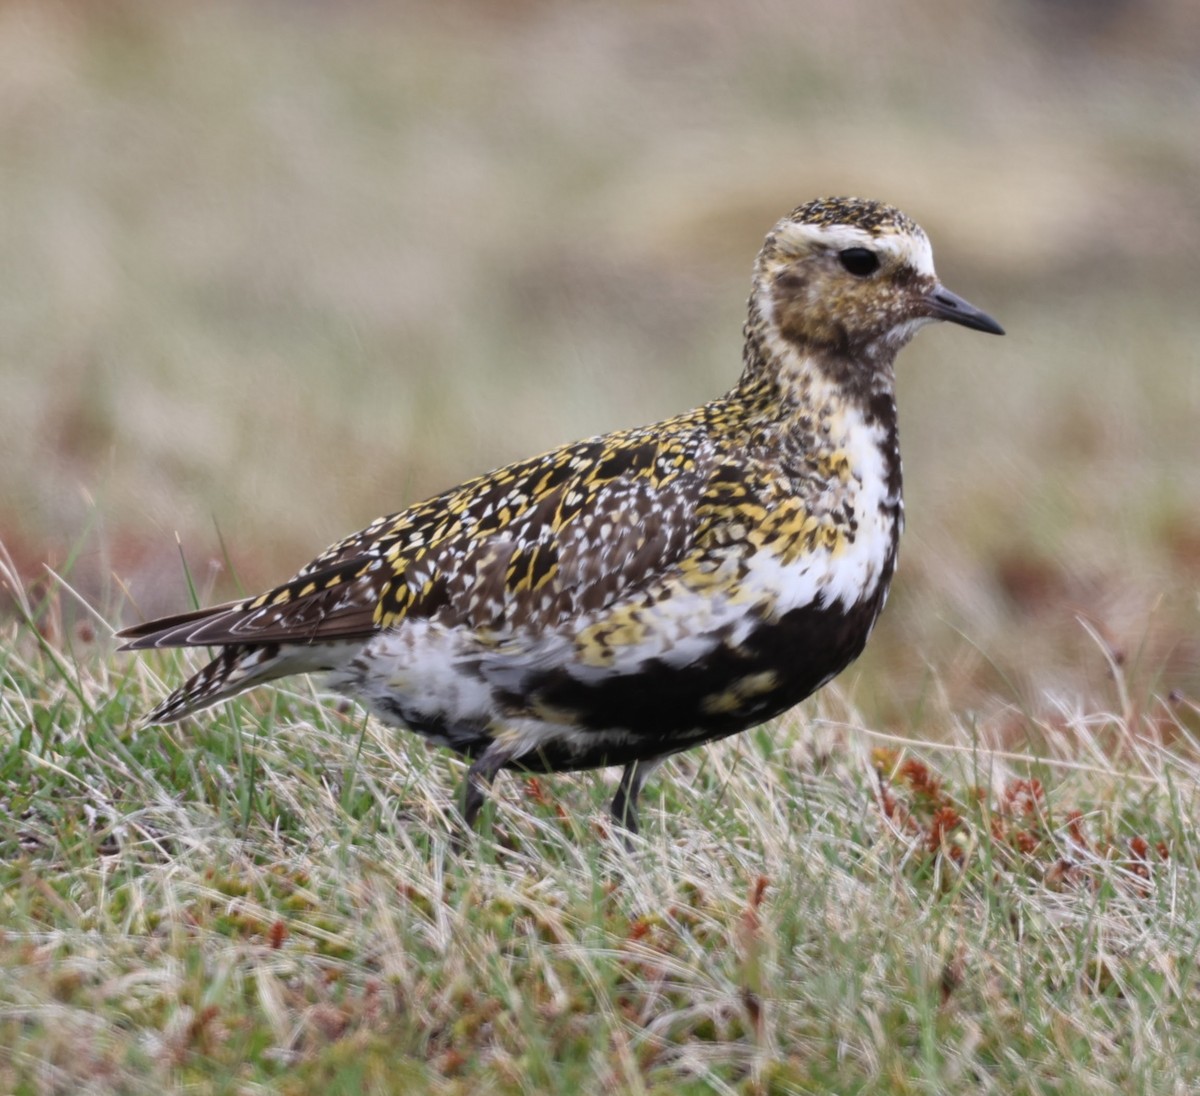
(523, 548)
(333, 604)
(540, 571)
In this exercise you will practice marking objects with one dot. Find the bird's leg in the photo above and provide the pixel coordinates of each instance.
(624, 804)
(482, 772)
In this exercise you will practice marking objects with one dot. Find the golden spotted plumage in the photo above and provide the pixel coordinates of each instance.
(624, 597)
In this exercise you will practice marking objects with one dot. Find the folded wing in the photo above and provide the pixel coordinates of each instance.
(522, 549)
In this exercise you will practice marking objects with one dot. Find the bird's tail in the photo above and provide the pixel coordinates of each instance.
(238, 666)
(234, 670)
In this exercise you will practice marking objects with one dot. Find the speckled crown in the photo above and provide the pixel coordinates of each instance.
(864, 213)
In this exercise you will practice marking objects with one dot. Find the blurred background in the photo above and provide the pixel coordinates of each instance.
(268, 270)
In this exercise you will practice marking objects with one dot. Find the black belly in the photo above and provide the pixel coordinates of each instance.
(663, 708)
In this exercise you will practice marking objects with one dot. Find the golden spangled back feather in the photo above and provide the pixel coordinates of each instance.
(523, 547)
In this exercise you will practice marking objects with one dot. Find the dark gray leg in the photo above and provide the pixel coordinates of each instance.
(624, 804)
(482, 772)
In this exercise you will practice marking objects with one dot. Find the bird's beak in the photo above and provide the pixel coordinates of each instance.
(944, 305)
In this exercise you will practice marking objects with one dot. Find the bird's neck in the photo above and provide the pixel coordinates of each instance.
(787, 381)
(829, 422)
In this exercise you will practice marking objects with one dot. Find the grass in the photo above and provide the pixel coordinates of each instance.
(266, 900)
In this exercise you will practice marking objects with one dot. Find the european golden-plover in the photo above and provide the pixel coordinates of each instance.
(623, 598)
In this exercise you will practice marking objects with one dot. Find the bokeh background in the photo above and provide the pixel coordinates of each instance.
(270, 269)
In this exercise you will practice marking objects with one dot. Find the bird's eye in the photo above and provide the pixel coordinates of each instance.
(859, 261)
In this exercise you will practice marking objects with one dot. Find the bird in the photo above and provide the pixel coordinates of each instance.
(626, 597)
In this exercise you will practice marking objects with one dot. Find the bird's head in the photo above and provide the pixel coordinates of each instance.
(854, 279)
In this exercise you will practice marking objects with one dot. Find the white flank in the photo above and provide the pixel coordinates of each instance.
(853, 573)
(417, 667)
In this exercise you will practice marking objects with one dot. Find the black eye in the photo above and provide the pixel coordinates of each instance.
(859, 261)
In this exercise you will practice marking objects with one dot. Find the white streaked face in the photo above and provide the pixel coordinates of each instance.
(843, 288)
(855, 279)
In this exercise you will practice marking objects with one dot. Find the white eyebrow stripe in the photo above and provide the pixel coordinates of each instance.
(912, 249)
(909, 248)
(838, 237)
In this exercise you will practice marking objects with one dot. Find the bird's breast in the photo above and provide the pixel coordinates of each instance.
(830, 538)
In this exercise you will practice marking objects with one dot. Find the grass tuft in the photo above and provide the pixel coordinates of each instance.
(268, 899)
